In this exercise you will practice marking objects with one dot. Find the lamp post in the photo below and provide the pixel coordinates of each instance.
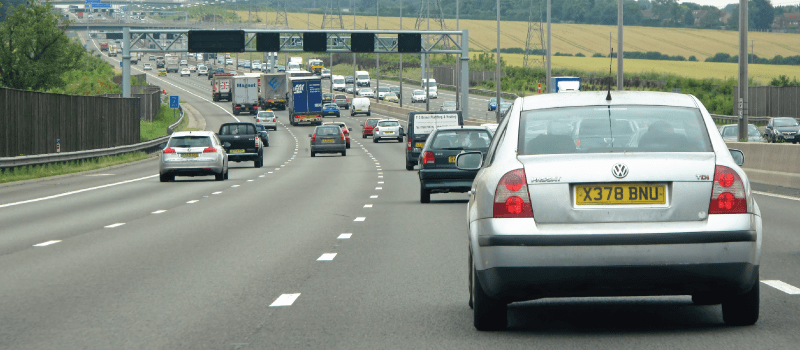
(400, 98)
(377, 55)
(497, 73)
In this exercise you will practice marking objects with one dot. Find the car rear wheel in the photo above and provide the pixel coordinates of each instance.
(488, 314)
(219, 177)
(344, 153)
(226, 173)
(742, 310)
(374, 139)
(348, 145)
(424, 195)
(259, 162)
(363, 136)
(313, 154)
(409, 166)
(163, 178)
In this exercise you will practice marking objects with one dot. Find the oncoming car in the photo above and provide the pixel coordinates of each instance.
(193, 153)
(662, 209)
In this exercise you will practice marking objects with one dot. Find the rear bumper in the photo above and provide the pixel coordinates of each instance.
(518, 259)
(446, 180)
(243, 157)
(334, 148)
(191, 168)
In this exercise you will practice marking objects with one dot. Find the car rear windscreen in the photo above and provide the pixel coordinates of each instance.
(604, 129)
(327, 131)
(190, 141)
(372, 122)
(461, 139)
(237, 129)
(389, 123)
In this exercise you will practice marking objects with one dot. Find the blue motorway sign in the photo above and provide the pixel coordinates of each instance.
(100, 6)
(174, 102)
(88, 2)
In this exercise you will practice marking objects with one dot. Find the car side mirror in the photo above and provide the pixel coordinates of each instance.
(226, 145)
(769, 126)
(309, 135)
(469, 161)
(738, 156)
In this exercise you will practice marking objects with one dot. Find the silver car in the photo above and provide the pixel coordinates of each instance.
(387, 129)
(418, 96)
(268, 119)
(193, 153)
(662, 208)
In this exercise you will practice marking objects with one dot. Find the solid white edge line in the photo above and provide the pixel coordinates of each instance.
(782, 286)
(326, 257)
(776, 195)
(44, 244)
(360, 218)
(345, 236)
(74, 192)
(285, 300)
(115, 225)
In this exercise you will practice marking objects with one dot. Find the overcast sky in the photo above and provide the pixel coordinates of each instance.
(723, 3)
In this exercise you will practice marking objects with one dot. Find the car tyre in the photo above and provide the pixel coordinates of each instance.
(259, 162)
(369, 113)
(424, 195)
(374, 139)
(488, 314)
(163, 177)
(226, 173)
(313, 154)
(344, 153)
(363, 136)
(219, 177)
(742, 310)
(348, 145)
(409, 166)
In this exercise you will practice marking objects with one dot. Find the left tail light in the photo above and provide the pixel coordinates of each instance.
(511, 198)
(169, 150)
(314, 137)
(341, 134)
(210, 150)
(728, 195)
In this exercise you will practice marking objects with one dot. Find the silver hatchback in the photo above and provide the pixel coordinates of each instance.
(634, 196)
(193, 153)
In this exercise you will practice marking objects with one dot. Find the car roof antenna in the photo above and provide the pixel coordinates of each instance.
(610, 63)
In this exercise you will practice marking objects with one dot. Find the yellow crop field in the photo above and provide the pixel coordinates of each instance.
(759, 72)
(579, 38)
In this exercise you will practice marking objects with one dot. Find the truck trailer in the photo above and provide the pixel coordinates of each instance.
(221, 86)
(245, 95)
(305, 100)
(273, 91)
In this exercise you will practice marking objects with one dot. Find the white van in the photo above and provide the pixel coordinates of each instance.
(360, 106)
(338, 83)
(432, 91)
(362, 78)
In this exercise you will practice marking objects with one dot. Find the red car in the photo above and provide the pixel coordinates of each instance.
(368, 125)
(345, 130)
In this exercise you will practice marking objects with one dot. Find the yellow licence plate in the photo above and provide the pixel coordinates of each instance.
(420, 144)
(451, 159)
(327, 140)
(389, 132)
(237, 151)
(624, 194)
(189, 155)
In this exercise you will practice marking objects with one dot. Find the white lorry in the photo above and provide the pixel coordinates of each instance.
(433, 92)
(244, 93)
(171, 64)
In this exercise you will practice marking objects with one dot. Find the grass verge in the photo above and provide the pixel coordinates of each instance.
(54, 169)
(158, 127)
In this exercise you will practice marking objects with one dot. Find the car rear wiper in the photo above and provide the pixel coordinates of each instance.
(453, 148)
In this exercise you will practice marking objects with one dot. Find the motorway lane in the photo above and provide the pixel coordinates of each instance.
(203, 275)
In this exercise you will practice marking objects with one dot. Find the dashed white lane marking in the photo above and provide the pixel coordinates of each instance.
(192, 201)
(277, 168)
(379, 188)
(74, 192)
(374, 196)
(360, 218)
(285, 300)
(115, 225)
(44, 244)
(380, 177)
(326, 257)
(250, 180)
(261, 175)
(235, 186)
(380, 182)
(782, 286)
(380, 173)
(344, 236)
(283, 165)
(777, 195)
(270, 172)
(158, 212)
(218, 192)
(367, 205)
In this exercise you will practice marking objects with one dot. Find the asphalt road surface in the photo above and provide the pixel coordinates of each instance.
(328, 252)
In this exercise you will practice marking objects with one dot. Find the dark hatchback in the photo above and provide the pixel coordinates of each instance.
(328, 139)
(437, 168)
(327, 97)
(782, 130)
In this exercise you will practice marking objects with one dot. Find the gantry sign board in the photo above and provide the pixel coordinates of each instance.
(253, 40)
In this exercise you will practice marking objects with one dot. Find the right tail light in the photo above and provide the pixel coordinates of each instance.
(727, 195)
(511, 199)
(409, 143)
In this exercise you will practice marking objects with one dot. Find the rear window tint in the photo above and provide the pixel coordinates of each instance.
(240, 129)
(604, 129)
(328, 131)
(372, 122)
(461, 139)
(190, 141)
(389, 123)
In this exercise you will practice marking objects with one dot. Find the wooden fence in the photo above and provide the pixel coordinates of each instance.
(149, 98)
(31, 122)
(770, 101)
